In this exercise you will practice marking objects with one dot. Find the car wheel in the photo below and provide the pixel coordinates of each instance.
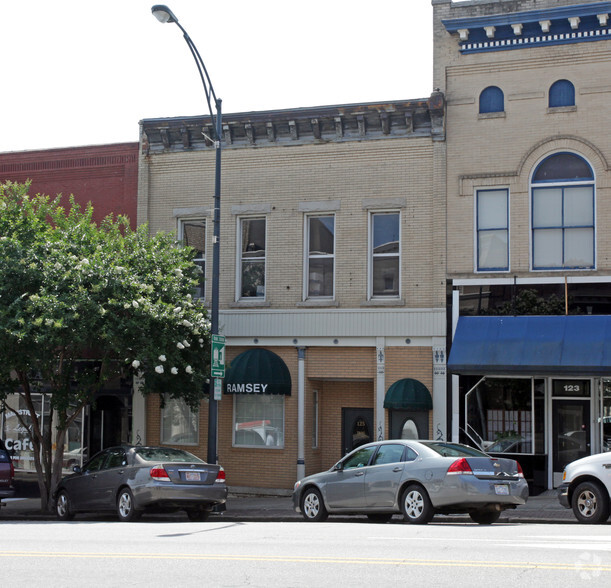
(62, 507)
(416, 505)
(379, 517)
(590, 503)
(485, 517)
(125, 506)
(312, 506)
(198, 515)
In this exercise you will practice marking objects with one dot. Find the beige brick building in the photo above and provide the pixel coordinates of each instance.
(331, 263)
(528, 205)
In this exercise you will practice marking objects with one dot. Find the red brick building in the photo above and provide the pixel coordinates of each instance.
(105, 175)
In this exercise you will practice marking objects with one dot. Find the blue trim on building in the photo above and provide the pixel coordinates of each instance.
(531, 34)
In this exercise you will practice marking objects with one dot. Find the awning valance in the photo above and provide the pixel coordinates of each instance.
(408, 394)
(258, 371)
(532, 345)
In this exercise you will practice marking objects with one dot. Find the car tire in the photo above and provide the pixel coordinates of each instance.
(485, 517)
(198, 515)
(590, 503)
(416, 505)
(62, 507)
(312, 506)
(126, 510)
(379, 517)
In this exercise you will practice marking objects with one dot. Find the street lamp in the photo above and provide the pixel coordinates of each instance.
(164, 14)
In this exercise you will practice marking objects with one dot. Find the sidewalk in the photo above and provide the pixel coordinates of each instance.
(544, 508)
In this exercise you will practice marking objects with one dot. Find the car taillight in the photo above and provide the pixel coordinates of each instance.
(460, 466)
(520, 472)
(220, 477)
(158, 473)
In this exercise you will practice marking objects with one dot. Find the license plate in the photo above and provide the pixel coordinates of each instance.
(501, 489)
(192, 476)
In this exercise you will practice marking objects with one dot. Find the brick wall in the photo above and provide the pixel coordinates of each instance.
(105, 175)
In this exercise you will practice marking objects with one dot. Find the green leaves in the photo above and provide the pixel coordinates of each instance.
(70, 290)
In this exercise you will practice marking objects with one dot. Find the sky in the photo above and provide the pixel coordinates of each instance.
(85, 72)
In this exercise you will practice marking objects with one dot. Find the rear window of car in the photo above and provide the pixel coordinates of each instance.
(166, 454)
(454, 450)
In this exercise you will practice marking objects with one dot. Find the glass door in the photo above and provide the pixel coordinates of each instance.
(570, 433)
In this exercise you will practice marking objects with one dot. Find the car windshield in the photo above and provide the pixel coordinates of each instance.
(166, 454)
(454, 450)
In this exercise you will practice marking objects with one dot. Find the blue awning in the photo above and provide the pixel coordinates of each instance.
(532, 345)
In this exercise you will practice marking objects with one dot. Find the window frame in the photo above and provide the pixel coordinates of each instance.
(372, 256)
(236, 400)
(479, 192)
(201, 261)
(558, 93)
(563, 185)
(163, 415)
(489, 99)
(308, 257)
(240, 258)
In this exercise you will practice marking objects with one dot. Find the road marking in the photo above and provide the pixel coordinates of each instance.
(314, 560)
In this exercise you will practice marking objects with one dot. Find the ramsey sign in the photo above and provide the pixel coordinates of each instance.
(248, 388)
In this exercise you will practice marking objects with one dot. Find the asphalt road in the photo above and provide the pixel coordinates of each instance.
(359, 553)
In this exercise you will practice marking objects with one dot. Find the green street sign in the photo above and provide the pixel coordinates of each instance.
(217, 368)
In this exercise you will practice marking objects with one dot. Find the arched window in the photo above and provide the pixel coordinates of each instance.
(491, 100)
(562, 213)
(561, 93)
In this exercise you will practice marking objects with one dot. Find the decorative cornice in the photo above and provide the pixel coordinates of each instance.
(517, 30)
(325, 124)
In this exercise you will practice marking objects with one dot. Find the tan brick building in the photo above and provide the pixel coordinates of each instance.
(331, 264)
(528, 205)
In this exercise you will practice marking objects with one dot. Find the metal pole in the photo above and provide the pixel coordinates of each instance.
(216, 264)
(164, 15)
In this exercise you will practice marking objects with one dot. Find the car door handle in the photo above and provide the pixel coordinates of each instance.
(397, 469)
(359, 473)
(120, 472)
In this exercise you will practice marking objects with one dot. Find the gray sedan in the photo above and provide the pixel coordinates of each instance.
(416, 479)
(131, 479)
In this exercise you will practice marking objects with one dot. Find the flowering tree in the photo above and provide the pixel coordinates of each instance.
(70, 291)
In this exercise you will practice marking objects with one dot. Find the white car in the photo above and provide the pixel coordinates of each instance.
(586, 488)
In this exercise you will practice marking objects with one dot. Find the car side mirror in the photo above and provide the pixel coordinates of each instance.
(338, 467)
(76, 469)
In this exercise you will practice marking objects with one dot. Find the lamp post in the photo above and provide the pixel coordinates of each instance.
(163, 14)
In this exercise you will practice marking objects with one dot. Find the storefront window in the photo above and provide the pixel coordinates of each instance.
(259, 420)
(17, 438)
(500, 411)
(179, 424)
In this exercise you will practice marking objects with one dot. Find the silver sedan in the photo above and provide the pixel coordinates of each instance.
(415, 478)
(132, 479)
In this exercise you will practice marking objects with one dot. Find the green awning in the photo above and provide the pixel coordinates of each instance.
(408, 394)
(258, 371)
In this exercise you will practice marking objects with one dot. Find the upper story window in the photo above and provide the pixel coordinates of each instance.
(193, 234)
(561, 93)
(321, 256)
(385, 247)
(491, 100)
(563, 213)
(492, 227)
(252, 237)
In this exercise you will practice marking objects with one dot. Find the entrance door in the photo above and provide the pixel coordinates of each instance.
(407, 424)
(570, 433)
(357, 428)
